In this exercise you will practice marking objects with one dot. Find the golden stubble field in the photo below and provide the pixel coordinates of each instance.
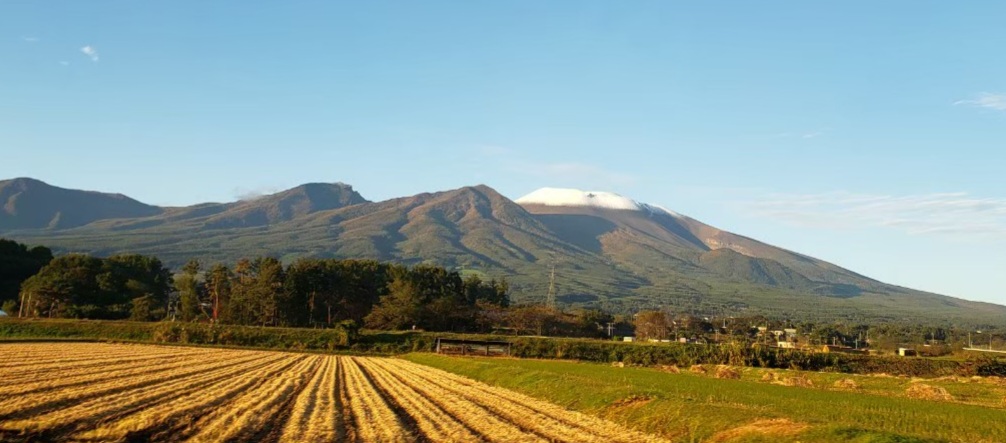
(120, 392)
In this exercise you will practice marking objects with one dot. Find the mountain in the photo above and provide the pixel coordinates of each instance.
(32, 204)
(603, 249)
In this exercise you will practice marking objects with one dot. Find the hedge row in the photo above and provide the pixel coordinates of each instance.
(647, 354)
(340, 337)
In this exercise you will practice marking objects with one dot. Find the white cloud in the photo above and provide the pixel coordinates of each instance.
(249, 194)
(986, 100)
(64, 63)
(30, 39)
(950, 214)
(90, 52)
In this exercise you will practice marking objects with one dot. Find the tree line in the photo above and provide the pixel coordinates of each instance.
(263, 291)
(322, 293)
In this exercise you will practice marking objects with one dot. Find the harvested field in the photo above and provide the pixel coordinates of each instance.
(115, 392)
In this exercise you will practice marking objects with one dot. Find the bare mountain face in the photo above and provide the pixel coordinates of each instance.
(605, 250)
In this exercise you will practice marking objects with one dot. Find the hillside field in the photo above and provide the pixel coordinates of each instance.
(786, 406)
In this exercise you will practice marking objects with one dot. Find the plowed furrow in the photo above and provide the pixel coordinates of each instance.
(86, 402)
(172, 420)
(30, 371)
(316, 415)
(72, 377)
(245, 419)
(541, 417)
(457, 421)
(478, 418)
(373, 418)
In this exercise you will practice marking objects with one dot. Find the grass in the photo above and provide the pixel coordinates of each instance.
(688, 407)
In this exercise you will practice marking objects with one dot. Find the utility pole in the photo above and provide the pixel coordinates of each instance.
(611, 326)
(550, 298)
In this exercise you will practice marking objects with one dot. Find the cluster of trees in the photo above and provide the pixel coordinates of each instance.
(323, 292)
(17, 264)
(81, 286)
(264, 292)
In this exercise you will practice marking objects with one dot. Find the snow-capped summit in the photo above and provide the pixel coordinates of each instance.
(596, 199)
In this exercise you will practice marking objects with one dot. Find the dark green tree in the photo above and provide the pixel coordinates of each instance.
(218, 289)
(17, 264)
(401, 308)
(190, 291)
(66, 287)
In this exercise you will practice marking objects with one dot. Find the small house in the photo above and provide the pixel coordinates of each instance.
(628, 338)
(907, 352)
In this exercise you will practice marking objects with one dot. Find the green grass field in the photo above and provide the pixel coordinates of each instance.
(690, 407)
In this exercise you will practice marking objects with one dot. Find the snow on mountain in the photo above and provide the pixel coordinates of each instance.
(596, 199)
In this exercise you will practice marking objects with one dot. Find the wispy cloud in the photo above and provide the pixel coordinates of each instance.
(563, 173)
(90, 52)
(29, 39)
(986, 100)
(64, 63)
(951, 214)
(249, 194)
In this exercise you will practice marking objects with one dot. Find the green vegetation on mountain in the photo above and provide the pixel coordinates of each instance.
(617, 260)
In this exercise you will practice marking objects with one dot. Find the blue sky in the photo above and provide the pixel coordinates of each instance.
(866, 133)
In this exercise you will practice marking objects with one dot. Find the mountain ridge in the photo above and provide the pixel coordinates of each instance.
(621, 256)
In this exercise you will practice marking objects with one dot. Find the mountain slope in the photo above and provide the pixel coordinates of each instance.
(31, 204)
(606, 250)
